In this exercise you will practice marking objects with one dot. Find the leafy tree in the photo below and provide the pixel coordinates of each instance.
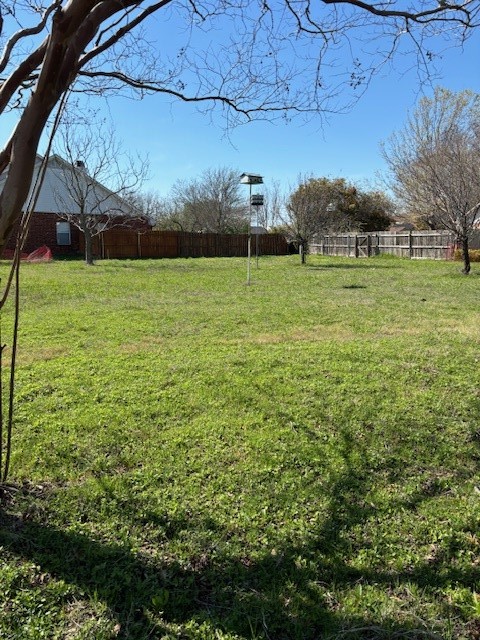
(373, 211)
(434, 163)
(321, 206)
(310, 208)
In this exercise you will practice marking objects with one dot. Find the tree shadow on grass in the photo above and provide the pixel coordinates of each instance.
(285, 595)
(354, 286)
(234, 595)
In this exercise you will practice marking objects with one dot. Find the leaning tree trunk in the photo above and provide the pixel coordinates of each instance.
(465, 255)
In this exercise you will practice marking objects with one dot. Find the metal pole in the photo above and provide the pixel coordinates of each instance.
(256, 237)
(249, 247)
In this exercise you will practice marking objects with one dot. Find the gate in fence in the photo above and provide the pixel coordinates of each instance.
(363, 246)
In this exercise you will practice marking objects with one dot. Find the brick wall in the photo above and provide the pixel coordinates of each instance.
(43, 231)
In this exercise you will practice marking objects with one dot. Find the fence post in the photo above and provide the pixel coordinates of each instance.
(139, 245)
(356, 246)
(369, 246)
(410, 244)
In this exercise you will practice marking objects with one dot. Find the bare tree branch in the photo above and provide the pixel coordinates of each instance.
(148, 87)
(26, 33)
(442, 12)
(101, 47)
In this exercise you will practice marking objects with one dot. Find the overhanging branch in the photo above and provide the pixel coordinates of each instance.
(442, 12)
(26, 33)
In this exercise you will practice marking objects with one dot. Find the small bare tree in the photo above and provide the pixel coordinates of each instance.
(155, 208)
(273, 205)
(434, 163)
(96, 182)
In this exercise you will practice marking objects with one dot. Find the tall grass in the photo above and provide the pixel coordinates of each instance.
(195, 458)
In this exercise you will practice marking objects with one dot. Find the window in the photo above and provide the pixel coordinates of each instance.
(63, 233)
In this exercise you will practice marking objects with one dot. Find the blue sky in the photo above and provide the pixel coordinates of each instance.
(181, 142)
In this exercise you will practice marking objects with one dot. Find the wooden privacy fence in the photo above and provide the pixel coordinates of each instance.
(127, 243)
(437, 245)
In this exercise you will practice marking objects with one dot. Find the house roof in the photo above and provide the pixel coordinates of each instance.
(258, 230)
(56, 197)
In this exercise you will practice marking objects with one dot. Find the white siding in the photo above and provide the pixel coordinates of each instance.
(55, 198)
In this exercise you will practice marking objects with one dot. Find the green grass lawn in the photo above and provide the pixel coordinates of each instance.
(199, 459)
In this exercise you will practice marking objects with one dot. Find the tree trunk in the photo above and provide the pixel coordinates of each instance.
(303, 252)
(465, 256)
(88, 247)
